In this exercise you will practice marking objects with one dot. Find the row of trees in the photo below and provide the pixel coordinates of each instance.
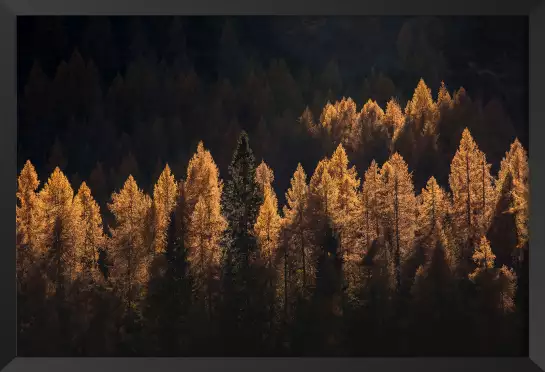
(204, 268)
(131, 123)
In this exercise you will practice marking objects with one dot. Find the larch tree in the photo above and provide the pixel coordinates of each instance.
(433, 208)
(61, 230)
(29, 219)
(164, 201)
(394, 118)
(93, 239)
(130, 207)
(297, 229)
(322, 194)
(473, 196)
(483, 257)
(267, 230)
(267, 227)
(371, 204)
(347, 211)
(515, 163)
(444, 100)
(398, 209)
(264, 176)
(421, 109)
(498, 285)
(339, 120)
(206, 224)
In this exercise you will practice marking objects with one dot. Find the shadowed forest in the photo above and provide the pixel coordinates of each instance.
(185, 189)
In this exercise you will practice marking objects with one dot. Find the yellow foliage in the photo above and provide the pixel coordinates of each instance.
(398, 203)
(472, 191)
(92, 233)
(164, 201)
(205, 225)
(267, 226)
(130, 207)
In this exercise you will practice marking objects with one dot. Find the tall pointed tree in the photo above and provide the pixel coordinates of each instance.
(267, 227)
(91, 229)
(241, 200)
(61, 228)
(472, 192)
(164, 201)
(515, 163)
(28, 219)
(296, 225)
(206, 224)
(433, 209)
(371, 204)
(264, 176)
(130, 207)
(398, 208)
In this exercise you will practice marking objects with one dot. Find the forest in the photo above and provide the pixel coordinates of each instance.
(256, 214)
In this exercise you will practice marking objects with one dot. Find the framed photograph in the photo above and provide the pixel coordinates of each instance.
(216, 185)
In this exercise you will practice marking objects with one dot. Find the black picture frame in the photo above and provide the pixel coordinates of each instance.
(11, 9)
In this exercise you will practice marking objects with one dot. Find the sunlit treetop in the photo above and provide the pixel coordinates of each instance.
(460, 96)
(394, 117)
(443, 96)
(516, 162)
(372, 111)
(57, 193)
(297, 194)
(28, 209)
(483, 255)
(264, 175)
(267, 226)
(165, 193)
(421, 103)
(28, 179)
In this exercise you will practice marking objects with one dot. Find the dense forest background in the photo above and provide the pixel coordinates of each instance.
(112, 101)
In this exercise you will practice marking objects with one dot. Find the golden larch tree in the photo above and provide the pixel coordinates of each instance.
(444, 100)
(322, 192)
(92, 234)
(264, 176)
(394, 118)
(483, 257)
(421, 109)
(515, 163)
(206, 224)
(128, 251)
(165, 193)
(61, 229)
(29, 221)
(433, 208)
(371, 204)
(296, 225)
(267, 227)
(398, 208)
(473, 195)
(347, 206)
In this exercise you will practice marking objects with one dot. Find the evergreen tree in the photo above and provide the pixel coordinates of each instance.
(241, 201)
